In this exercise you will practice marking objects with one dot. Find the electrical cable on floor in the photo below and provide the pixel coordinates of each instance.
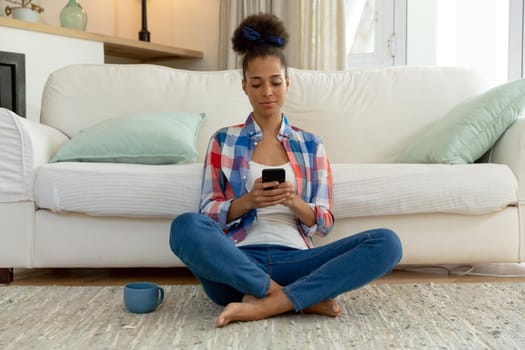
(459, 270)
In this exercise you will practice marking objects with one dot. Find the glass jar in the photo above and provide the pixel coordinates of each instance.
(73, 16)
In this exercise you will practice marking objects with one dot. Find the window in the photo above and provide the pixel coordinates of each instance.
(486, 35)
(375, 32)
(361, 19)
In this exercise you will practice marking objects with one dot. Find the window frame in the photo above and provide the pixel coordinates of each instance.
(391, 34)
(516, 39)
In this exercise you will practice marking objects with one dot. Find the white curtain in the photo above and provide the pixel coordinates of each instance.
(316, 27)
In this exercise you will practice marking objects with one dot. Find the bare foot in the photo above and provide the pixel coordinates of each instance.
(236, 312)
(325, 308)
(252, 309)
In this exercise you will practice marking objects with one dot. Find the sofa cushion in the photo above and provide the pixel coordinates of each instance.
(349, 110)
(133, 190)
(142, 138)
(118, 189)
(470, 129)
(393, 189)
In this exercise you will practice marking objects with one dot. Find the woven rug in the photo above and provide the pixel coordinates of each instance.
(378, 316)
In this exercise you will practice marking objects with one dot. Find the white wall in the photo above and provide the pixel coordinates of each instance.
(421, 22)
(467, 33)
(483, 40)
(45, 53)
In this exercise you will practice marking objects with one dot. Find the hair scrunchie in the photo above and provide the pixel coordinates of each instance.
(255, 37)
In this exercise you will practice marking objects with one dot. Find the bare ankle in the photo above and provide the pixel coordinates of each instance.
(325, 308)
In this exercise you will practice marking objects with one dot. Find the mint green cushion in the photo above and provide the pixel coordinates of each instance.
(470, 129)
(142, 138)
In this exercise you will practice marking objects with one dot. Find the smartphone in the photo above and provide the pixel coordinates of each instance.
(269, 175)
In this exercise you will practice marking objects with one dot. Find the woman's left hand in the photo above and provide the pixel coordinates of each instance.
(290, 194)
(301, 209)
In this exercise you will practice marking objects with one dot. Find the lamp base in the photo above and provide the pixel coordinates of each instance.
(144, 35)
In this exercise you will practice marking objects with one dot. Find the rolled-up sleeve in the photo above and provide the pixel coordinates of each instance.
(321, 195)
(213, 193)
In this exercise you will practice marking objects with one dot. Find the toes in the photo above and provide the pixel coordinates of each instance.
(336, 309)
(220, 322)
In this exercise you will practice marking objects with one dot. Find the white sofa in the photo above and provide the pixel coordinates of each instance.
(118, 215)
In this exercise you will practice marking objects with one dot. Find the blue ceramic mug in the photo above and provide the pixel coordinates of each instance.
(142, 297)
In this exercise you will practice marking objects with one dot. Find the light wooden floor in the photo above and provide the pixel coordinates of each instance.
(169, 276)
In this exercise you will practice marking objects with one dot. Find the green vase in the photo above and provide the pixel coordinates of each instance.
(73, 16)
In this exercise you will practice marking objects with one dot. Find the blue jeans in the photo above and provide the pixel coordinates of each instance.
(227, 272)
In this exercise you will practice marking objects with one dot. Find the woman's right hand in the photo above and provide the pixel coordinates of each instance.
(266, 194)
(258, 197)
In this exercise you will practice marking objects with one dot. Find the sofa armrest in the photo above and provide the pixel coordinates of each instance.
(510, 150)
(45, 141)
(24, 146)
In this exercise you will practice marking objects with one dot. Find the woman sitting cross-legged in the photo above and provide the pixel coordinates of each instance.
(250, 246)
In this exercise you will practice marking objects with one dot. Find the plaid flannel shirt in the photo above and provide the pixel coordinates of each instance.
(226, 169)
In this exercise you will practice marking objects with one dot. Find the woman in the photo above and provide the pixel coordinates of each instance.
(250, 246)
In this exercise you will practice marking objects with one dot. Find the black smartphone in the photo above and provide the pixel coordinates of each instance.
(269, 175)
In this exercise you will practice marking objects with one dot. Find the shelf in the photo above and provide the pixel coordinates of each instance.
(113, 46)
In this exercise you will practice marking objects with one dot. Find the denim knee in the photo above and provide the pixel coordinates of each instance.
(391, 248)
(180, 227)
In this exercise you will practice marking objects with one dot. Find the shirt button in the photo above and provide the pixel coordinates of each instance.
(255, 143)
(244, 177)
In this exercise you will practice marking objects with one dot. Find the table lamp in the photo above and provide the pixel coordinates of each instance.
(144, 35)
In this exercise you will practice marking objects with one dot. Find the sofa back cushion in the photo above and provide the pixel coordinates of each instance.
(363, 116)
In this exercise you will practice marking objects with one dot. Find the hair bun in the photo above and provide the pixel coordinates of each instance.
(258, 31)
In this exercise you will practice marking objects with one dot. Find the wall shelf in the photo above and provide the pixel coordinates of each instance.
(113, 46)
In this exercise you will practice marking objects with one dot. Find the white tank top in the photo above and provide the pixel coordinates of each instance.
(276, 224)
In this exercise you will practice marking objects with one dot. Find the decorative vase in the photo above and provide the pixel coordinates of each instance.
(73, 16)
(28, 14)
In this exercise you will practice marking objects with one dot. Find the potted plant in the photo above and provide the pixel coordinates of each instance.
(26, 10)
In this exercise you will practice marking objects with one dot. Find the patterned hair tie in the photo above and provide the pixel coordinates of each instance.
(255, 37)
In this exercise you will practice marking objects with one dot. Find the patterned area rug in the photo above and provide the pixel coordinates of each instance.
(379, 316)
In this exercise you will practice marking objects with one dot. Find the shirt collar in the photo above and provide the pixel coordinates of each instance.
(254, 130)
